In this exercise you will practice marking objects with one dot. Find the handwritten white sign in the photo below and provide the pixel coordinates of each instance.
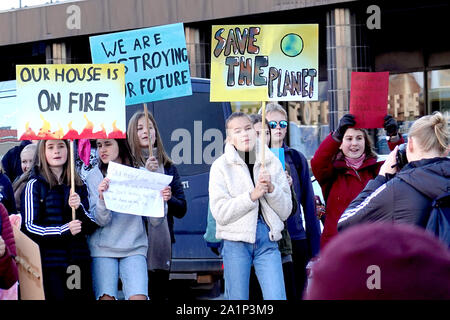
(135, 191)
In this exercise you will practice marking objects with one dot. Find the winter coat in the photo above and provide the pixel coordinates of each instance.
(8, 267)
(120, 235)
(340, 183)
(7, 194)
(230, 185)
(11, 161)
(301, 183)
(45, 219)
(177, 206)
(406, 198)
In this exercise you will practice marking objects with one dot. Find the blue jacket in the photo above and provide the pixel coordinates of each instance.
(305, 200)
(7, 194)
(177, 206)
(11, 161)
(45, 219)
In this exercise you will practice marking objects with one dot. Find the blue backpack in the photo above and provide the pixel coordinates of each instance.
(439, 220)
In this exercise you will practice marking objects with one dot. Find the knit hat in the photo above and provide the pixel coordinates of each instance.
(382, 261)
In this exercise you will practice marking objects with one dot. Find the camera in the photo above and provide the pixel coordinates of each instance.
(402, 160)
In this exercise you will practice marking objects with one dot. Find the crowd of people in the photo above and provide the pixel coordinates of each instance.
(262, 215)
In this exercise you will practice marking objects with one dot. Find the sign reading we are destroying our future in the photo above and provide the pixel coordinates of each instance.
(264, 62)
(155, 59)
(71, 101)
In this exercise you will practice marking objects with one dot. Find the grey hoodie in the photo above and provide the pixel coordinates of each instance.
(120, 235)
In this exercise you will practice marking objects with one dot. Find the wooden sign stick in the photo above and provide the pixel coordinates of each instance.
(72, 174)
(263, 135)
(150, 147)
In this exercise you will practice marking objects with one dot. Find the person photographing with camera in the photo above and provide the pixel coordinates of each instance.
(343, 164)
(406, 195)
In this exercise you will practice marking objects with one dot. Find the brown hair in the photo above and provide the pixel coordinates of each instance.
(235, 115)
(135, 146)
(368, 144)
(431, 131)
(40, 163)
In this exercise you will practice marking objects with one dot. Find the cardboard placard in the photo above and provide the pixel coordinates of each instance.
(71, 101)
(155, 59)
(264, 62)
(369, 98)
(30, 268)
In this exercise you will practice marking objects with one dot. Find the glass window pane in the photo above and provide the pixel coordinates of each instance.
(439, 91)
(405, 104)
(406, 96)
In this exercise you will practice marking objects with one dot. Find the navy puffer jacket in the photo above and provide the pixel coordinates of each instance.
(177, 204)
(406, 198)
(45, 219)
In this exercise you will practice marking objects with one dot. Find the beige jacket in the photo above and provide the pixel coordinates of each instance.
(230, 185)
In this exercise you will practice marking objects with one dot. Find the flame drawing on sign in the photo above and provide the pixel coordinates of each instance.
(87, 133)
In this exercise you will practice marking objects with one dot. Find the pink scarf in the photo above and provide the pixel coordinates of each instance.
(355, 163)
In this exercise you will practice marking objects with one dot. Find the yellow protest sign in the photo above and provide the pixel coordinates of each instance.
(264, 62)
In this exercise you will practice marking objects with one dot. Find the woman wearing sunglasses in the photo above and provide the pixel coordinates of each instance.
(305, 243)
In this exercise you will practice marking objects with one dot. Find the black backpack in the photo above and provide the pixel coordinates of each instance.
(439, 219)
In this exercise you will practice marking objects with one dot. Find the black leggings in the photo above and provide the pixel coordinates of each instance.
(59, 284)
(300, 256)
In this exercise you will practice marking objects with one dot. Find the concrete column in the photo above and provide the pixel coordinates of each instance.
(346, 52)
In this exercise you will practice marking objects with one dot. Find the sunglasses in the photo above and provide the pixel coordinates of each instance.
(273, 124)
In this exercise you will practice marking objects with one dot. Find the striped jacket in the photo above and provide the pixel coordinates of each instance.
(406, 198)
(45, 219)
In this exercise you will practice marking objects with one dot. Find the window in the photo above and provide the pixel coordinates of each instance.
(439, 92)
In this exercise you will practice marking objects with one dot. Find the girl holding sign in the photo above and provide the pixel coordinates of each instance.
(47, 205)
(249, 203)
(119, 247)
(143, 138)
(343, 165)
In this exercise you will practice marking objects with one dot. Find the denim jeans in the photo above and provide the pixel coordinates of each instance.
(238, 258)
(132, 271)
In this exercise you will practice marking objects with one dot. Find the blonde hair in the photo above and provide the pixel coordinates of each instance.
(431, 132)
(29, 148)
(274, 107)
(135, 146)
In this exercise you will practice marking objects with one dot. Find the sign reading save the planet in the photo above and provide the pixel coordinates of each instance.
(264, 62)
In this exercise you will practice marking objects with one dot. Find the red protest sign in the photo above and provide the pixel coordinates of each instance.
(369, 98)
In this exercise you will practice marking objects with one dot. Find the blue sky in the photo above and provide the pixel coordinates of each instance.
(9, 4)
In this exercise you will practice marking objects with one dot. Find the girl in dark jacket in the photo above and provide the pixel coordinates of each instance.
(47, 204)
(160, 230)
(305, 241)
(343, 165)
(407, 197)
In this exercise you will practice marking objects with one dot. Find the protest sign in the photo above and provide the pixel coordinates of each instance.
(264, 62)
(71, 101)
(135, 191)
(155, 59)
(29, 266)
(369, 98)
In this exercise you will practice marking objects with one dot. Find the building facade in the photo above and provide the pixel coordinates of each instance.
(406, 38)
